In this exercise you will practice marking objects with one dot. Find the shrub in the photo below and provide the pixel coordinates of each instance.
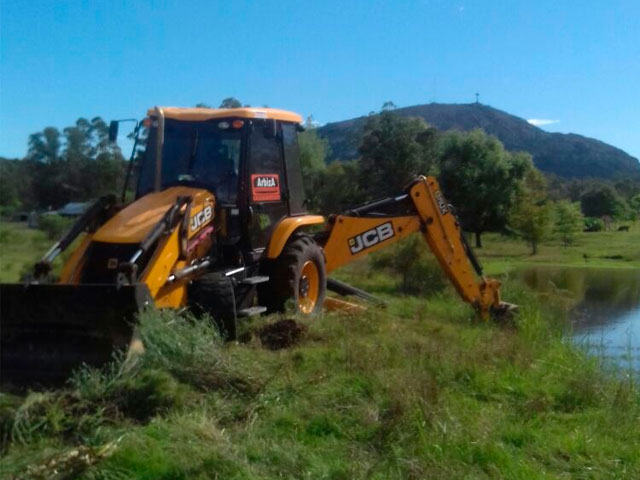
(414, 263)
(567, 220)
(54, 225)
(7, 211)
(592, 224)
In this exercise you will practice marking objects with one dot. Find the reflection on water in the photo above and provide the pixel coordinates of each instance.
(605, 309)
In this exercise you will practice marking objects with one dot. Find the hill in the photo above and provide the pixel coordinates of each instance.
(567, 155)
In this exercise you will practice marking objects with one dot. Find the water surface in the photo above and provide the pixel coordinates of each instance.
(605, 307)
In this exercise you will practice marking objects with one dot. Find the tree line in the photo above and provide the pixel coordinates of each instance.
(75, 164)
(492, 189)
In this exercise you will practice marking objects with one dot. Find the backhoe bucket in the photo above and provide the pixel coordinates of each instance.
(46, 331)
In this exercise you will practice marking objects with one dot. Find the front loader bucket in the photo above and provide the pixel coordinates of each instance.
(46, 331)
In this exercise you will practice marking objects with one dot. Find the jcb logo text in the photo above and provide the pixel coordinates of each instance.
(371, 237)
(201, 218)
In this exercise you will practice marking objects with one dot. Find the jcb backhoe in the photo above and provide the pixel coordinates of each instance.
(217, 225)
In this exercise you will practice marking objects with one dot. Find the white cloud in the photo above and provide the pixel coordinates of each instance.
(540, 122)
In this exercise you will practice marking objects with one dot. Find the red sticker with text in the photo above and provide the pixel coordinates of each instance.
(265, 187)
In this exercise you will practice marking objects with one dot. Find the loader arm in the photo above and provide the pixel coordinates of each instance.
(422, 208)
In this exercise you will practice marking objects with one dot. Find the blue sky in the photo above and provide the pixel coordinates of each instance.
(576, 63)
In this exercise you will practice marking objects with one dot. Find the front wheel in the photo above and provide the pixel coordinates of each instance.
(298, 276)
(213, 294)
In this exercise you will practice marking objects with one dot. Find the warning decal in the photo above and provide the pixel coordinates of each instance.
(265, 187)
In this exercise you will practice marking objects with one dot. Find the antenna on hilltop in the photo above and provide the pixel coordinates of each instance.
(477, 97)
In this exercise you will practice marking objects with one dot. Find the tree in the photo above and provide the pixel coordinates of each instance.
(313, 149)
(230, 102)
(480, 178)
(44, 146)
(601, 200)
(11, 179)
(313, 154)
(531, 214)
(388, 105)
(575, 188)
(634, 203)
(337, 189)
(414, 263)
(627, 187)
(394, 150)
(78, 165)
(568, 221)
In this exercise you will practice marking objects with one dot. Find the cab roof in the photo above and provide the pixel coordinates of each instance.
(199, 114)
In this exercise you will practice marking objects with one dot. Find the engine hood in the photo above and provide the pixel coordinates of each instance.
(134, 222)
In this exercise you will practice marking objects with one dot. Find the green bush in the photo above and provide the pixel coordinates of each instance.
(592, 224)
(411, 260)
(7, 211)
(54, 225)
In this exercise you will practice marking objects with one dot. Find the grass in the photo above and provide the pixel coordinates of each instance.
(419, 390)
(596, 249)
(19, 247)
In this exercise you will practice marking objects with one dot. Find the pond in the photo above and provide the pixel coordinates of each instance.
(605, 311)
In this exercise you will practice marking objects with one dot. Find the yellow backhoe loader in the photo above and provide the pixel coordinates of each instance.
(218, 225)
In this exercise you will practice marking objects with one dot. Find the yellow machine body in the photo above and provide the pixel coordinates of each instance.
(176, 250)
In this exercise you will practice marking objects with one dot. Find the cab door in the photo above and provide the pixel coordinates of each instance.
(266, 181)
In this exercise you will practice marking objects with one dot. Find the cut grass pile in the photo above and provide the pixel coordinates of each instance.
(417, 391)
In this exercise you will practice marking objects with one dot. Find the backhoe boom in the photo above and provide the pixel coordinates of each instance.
(422, 208)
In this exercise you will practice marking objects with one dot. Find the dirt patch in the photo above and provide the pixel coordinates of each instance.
(282, 334)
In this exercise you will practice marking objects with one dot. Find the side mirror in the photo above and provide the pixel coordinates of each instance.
(113, 131)
(270, 128)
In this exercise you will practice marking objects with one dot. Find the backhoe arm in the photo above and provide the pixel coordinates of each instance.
(422, 208)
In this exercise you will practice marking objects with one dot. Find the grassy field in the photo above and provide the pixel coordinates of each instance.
(419, 390)
(19, 247)
(597, 249)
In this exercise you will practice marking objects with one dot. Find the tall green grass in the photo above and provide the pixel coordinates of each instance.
(419, 390)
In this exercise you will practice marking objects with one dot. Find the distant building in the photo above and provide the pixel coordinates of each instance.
(74, 209)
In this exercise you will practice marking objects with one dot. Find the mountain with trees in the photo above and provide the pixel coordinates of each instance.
(566, 155)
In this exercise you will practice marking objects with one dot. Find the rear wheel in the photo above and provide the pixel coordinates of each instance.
(297, 278)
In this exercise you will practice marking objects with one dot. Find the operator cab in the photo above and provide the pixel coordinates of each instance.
(247, 157)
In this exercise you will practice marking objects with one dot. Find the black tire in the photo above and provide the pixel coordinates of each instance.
(286, 284)
(213, 294)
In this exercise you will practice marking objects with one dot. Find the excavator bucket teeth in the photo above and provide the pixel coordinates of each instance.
(48, 330)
